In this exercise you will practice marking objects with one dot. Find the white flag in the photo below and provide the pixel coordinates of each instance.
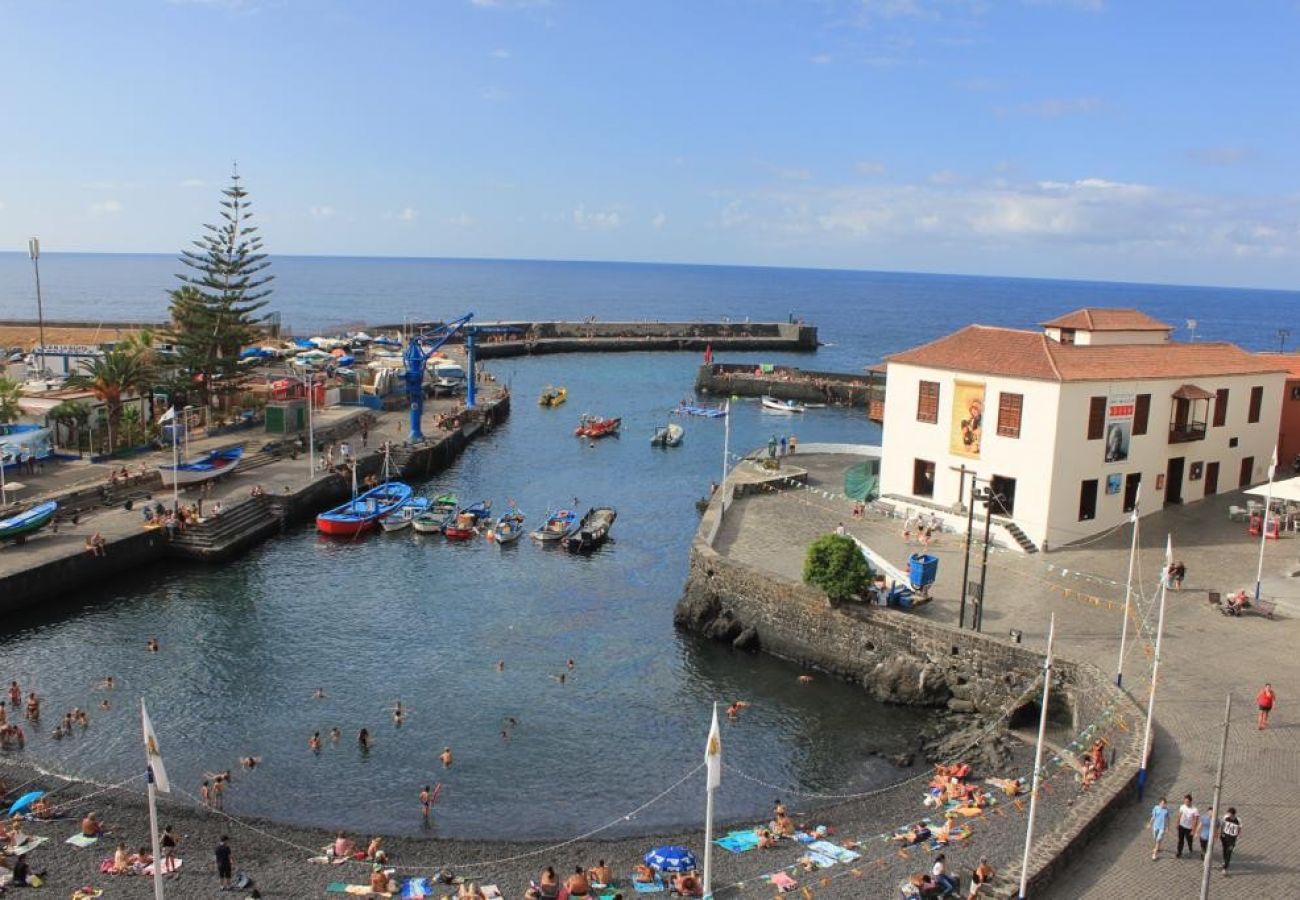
(1272, 463)
(156, 773)
(167, 416)
(1169, 550)
(713, 752)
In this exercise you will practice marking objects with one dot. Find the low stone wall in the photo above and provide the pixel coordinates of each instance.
(904, 659)
(61, 578)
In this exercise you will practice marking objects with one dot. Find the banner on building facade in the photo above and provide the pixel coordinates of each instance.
(1119, 426)
(967, 418)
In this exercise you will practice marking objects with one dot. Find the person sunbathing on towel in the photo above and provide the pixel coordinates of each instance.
(688, 885)
(943, 833)
(469, 890)
(914, 835)
(600, 874)
(90, 826)
(343, 846)
(577, 884)
(121, 860)
(379, 882)
(766, 840)
(643, 873)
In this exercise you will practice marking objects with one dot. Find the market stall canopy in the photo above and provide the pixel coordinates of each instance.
(1288, 489)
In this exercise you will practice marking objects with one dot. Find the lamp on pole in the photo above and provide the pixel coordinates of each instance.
(965, 564)
(977, 620)
(1282, 335)
(34, 251)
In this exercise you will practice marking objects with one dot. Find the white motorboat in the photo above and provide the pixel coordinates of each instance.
(782, 406)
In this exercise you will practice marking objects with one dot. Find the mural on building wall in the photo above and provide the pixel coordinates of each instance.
(1119, 426)
(967, 418)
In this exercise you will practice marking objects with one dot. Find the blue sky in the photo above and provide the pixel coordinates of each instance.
(1111, 139)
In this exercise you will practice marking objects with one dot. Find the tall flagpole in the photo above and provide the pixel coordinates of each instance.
(713, 765)
(1263, 531)
(726, 442)
(153, 814)
(1218, 814)
(1155, 668)
(176, 466)
(1038, 757)
(1128, 589)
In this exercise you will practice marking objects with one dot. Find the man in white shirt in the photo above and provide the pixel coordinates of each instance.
(1189, 817)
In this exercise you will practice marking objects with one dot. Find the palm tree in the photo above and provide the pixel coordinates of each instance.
(108, 377)
(73, 416)
(10, 391)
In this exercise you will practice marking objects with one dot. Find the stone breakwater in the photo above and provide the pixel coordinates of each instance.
(986, 683)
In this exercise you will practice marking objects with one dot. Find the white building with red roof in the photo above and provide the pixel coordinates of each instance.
(1065, 423)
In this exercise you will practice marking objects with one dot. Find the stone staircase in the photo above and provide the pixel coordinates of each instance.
(218, 537)
(256, 460)
(1017, 535)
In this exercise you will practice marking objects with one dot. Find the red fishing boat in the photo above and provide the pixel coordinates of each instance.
(464, 527)
(596, 427)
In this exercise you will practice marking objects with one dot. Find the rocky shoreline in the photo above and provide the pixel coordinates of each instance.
(276, 855)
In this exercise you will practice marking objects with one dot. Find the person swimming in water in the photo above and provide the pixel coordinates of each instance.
(151, 645)
(399, 714)
(445, 756)
(313, 743)
(335, 734)
(318, 694)
(363, 739)
(501, 665)
(250, 762)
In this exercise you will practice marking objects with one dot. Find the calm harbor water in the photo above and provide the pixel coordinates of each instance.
(405, 617)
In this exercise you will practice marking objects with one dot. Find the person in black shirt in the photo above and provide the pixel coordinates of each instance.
(224, 862)
(168, 842)
(1228, 834)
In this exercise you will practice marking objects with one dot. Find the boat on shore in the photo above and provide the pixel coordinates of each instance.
(557, 526)
(593, 531)
(782, 406)
(363, 511)
(669, 435)
(597, 427)
(553, 396)
(29, 521)
(402, 517)
(205, 468)
(508, 529)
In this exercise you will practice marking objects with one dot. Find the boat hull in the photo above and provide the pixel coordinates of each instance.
(28, 522)
(593, 531)
(771, 404)
(558, 526)
(362, 513)
(214, 465)
(598, 428)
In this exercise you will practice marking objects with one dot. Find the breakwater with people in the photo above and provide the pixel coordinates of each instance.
(991, 684)
(790, 383)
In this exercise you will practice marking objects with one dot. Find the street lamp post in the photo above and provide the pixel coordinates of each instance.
(978, 617)
(34, 251)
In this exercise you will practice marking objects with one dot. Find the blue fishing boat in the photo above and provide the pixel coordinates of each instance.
(20, 526)
(205, 468)
(363, 511)
(509, 528)
(558, 526)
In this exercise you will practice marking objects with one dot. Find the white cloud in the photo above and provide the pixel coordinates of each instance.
(193, 183)
(322, 212)
(658, 221)
(596, 220)
(105, 208)
(869, 167)
(408, 215)
(1054, 107)
(500, 53)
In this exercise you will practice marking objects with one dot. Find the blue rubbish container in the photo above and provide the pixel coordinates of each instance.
(922, 569)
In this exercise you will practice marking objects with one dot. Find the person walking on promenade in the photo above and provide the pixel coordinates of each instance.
(224, 862)
(1205, 826)
(1159, 824)
(1265, 699)
(1188, 818)
(1229, 831)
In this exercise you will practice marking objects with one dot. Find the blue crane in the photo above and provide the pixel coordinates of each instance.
(423, 345)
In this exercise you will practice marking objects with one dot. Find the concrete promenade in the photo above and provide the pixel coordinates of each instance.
(1205, 656)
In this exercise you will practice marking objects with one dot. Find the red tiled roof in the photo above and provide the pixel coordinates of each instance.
(1016, 353)
(1094, 318)
(1291, 361)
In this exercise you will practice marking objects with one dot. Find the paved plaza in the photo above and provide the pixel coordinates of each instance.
(1205, 656)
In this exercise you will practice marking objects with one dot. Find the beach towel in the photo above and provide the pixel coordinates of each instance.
(648, 887)
(327, 860)
(416, 888)
(175, 867)
(86, 894)
(805, 837)
(80, 840)
(490, 891)
(781, 881)
(356, 890)
(27, 846)
(818, 860)
(739, 841)
(835, 852)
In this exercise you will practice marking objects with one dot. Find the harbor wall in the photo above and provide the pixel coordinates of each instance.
(900, 658)
(59, 579)
(789, 383)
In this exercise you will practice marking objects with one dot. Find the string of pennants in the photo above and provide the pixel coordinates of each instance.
(786, 879)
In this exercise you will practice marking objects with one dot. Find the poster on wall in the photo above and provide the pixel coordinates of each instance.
(1119, 426)
(967, 418)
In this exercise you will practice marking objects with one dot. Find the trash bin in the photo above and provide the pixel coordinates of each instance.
(922, 569)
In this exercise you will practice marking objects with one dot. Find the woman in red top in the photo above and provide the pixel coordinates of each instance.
(1265, 698)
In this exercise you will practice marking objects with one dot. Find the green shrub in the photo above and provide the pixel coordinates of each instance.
(836, 565)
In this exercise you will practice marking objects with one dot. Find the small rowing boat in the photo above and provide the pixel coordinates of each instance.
(437, 516)
(553, 396)
(362, 512)
(508, 529)
(669, 435)
(29, 521)
(593, 531)
(709, 412)
(464, 527)
(402, 517)
(557, 527)
(782, 406)
(205, 468)
(597, 427)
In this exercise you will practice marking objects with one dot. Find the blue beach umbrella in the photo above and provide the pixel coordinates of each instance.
(671, 859)
(25, 801)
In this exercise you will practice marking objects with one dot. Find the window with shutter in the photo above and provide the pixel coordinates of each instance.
(1220, 407)
(927, 402)
(1141, 413)
(1096, 418)
(1009, 410)
(1256, 403)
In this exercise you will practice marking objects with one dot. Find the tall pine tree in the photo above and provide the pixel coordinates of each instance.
(214, 313)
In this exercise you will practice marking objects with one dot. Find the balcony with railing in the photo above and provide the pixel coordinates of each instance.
(1183, 432)
(1191, 410)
